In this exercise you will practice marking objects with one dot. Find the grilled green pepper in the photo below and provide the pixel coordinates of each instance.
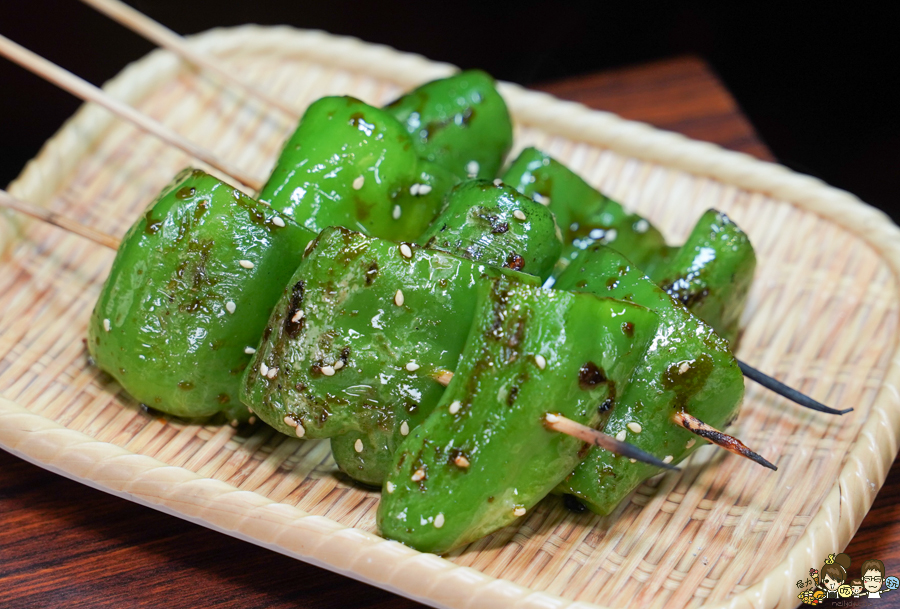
(688, 367)
(352, 165)
(711, 273)
(354, 344)
(584, 215)
(484, 456)
(189, 294)
(497, 226)
(460, 123)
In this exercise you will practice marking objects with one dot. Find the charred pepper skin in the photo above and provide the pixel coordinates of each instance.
(711, 273)
(350, 164)
(687, 367)
(460, 122)
(357, 337)
(484, 456)
(585, 215)
(181, 306)
(498, 226)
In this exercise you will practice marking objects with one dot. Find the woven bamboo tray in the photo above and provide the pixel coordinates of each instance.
(823, 314)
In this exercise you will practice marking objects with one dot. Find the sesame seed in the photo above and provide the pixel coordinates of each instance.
(358, 445)
(246, 264)
(438, 521)
(249, 350)
(641, 226)
(684, 367)
(230, 306)
(540, 361)
(252, 420)
(633, 460)
(328, 370)
(455, 406)
(690, 443)
(472, 168)
(389, 487)
(519, 511)
(339, 364)
(551, 418)
(635, 427)
(539, 198)
(461, 461)
(398, 298)
(278, 221)
(290, 421)
(419, 475)
(107, 325)
(263, 369)
(621, 435)
(272, 372)
(519, 214)
(405, 251)
(309, 246)
(234, 422)
(297, 316)
(358, 182)
(611, 235)
(414, 189)
(668, 459)
(412, 366)
(597, 233)
(424, 189)
(404, 428)
(396, 213)
(300, 431)
(498, 182)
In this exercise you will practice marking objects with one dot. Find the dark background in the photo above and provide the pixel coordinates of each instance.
(819, 85)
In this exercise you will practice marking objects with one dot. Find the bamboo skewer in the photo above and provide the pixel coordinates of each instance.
(88, 92)
(10, 202)
(789, 392)
(723, 440)
(166, 38)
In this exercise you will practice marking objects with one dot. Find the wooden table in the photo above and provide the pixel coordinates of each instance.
(64, 545)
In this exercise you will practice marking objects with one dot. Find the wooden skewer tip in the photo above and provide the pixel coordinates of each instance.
(723, 440)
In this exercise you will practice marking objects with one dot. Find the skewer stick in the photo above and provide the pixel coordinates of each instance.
(166, 38)
(88, 92)
(729, 443)
(9, 201)
(788, 392)
(590, 435)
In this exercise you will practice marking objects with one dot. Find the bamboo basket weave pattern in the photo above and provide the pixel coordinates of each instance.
(822, 315)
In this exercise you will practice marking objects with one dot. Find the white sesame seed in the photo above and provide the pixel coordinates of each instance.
(414, 189)
(107, 325)
(309, 246)
(540, 361)
(438, 521)
(263, 369)
(498, 182)
(252, 420)
(539, 198)
(272, 372)
(404, 428)
(297, 316)
(690, 443)
(597, 233)
(290, 421)
(300, 431)
(412, 366)
(328, 370)
(455, 406)
(472, 168)
(633, 460)
(358, 182)
(684, 367)
(339, 364)
(230, 306)
(519, 511)
(419, 475)
(358, 445)
(396, 213)
(278, 221)
(641, 226)
(389, 487)
(519, 214)
(246, 264)
(668, 459)
(635, 427)
(398, 298)
(611, 235)
(621, 435)
(424, 189)
(234, 422)
(551, 418)
(405, 251)
(249, 350)
(461, 461)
